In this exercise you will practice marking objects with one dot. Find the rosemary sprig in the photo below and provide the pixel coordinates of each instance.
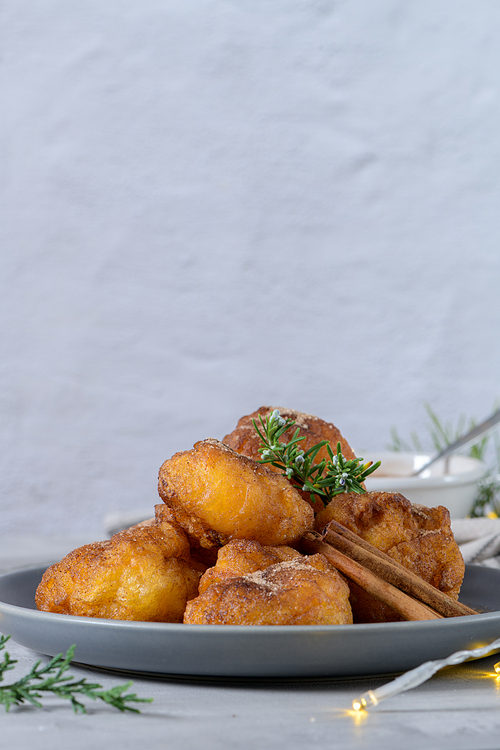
(487, 502)
(52, 678)
(323, 480)
(441, 434)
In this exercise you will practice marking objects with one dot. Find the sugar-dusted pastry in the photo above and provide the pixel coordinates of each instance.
(244, 438)
(240, 557)
(216, 495)
(418, 537)
(300, 591)
(143, 573)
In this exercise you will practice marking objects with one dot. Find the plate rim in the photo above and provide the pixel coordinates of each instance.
(33, 628)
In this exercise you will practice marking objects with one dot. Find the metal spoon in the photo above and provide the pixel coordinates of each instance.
(467, 440)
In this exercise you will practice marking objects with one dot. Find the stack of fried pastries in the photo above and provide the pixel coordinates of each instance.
(223, 547)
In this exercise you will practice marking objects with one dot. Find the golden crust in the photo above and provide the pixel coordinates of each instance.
(382, 518)
(241, 557)
(419, 538)
(245, 440)
(200, 557)
(301, 591)
(216, 495)
(142, 573)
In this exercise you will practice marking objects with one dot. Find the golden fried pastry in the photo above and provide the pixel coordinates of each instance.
(241, 557)
(382, 518)
(143, 573)
(419, 538)
(245, 440)
(201, 557)
(301, 591)
(433, 554)
(216, 495)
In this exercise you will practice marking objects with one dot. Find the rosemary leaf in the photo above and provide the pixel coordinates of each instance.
(324, 480)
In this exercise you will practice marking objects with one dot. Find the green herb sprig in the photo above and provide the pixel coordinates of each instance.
(323, 480)
(52, 678)
(441, 434)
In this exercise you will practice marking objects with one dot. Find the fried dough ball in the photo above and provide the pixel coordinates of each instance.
(216, 495)
(301, 591)
(245, 440)
(381, 518)
(419, 538)
(433, 554)
(241, 557)
(142, 573)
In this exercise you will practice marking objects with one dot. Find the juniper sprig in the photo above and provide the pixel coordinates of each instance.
(52, 678)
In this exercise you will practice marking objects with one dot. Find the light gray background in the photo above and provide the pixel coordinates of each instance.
(208, 205)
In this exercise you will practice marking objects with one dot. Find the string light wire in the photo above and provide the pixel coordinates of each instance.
(420, 674)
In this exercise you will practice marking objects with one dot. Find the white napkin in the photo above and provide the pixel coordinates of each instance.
(479, 540)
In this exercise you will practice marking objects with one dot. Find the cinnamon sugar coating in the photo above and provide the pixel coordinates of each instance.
(216, 495)
(301, 591)
(144, 573)
(240, 557)
(245, 440)
(418, 537)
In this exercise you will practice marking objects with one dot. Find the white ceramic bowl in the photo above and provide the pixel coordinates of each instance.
(455, 488)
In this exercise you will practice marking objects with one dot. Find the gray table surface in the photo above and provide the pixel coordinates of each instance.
(458, 708)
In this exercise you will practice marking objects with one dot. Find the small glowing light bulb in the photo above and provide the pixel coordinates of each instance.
(420, 674)
(365, 701)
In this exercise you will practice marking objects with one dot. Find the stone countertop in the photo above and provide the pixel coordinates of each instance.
(457, 708)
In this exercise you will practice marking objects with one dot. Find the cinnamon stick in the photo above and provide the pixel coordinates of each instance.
(384, 566)
(404, 605)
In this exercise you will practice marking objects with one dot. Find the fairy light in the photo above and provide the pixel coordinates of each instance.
(420, 674)
(358, 717)
(365, 700)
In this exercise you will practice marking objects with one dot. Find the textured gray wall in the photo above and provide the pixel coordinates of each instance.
(211, 205)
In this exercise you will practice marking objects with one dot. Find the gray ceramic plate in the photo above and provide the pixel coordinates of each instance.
(250, 652)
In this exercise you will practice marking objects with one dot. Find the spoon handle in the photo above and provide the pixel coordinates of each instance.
(469, 439)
